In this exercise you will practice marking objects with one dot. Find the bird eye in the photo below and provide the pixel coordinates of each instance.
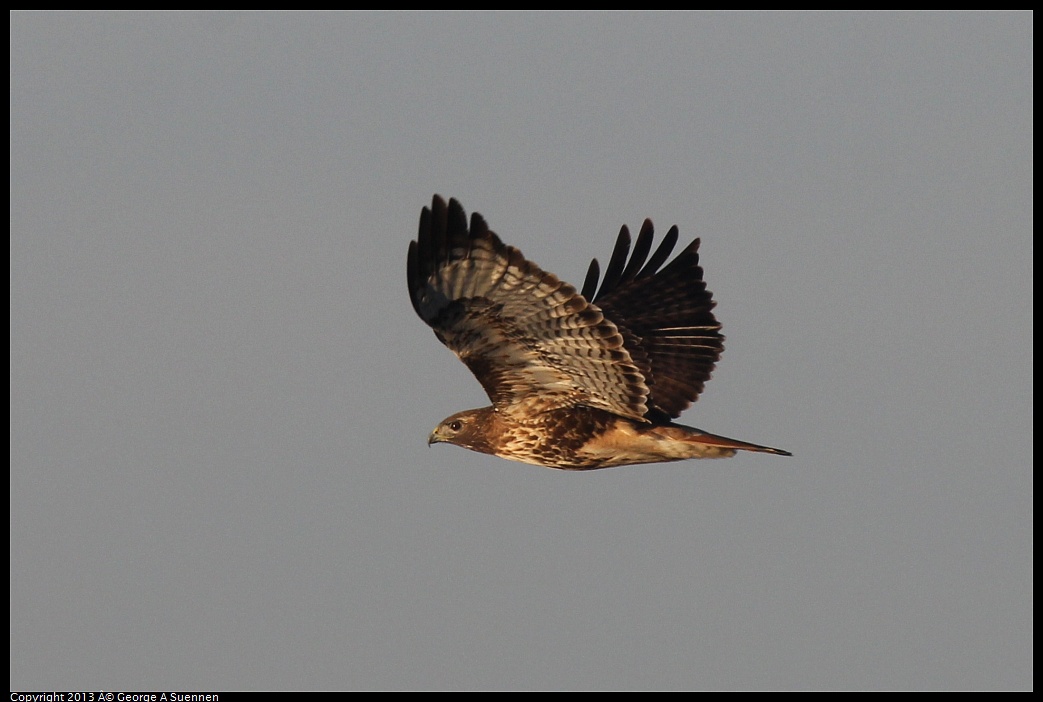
(455, 425)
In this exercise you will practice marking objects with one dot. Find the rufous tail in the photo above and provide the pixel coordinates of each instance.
(726, 443)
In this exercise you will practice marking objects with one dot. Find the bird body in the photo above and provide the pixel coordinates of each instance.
(583, 438)
(578, 380)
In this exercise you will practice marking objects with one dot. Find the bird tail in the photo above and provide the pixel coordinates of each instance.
(726, 446)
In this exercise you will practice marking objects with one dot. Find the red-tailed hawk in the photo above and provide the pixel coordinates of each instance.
(578, 380)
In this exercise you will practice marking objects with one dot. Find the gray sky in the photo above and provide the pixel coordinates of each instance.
(220, 395)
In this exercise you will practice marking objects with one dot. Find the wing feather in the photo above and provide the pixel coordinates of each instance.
(641, 248)
(614, 274)
(530, 339)
(666, 319)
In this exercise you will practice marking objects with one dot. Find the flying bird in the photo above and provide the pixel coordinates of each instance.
(578, 379)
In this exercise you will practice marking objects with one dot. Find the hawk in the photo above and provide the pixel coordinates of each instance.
(578, 379)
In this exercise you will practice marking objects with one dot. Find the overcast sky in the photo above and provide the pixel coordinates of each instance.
(220, 394)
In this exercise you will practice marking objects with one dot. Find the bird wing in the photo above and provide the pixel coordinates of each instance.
(531, 340)
(664, 315)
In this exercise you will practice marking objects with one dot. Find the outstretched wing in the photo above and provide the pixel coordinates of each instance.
(665, 317)
(532, 341)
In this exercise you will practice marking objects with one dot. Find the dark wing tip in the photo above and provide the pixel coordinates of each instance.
(614, 272)
(429, 249)
(479, 227)
(443, 235)
(590, 283)
(688, 258)
(641, 248)
(456, 221)
(621, 271)
(413, 274)
(666, 246)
